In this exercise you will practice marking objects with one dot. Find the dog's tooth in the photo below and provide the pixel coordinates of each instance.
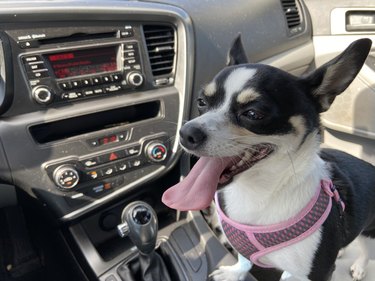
(239, 164)
(233, 168)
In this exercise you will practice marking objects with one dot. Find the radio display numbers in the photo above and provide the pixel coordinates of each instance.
(83, 62)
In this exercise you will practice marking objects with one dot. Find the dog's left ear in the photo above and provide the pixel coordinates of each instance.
(237, 54)
(332, 78)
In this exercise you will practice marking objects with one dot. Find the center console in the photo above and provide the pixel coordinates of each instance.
(97, 105)
(90, 121)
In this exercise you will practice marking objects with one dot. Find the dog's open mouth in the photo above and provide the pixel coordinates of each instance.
(248, 159)
(197, 190)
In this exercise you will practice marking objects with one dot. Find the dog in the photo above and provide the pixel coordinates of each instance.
(258, 137)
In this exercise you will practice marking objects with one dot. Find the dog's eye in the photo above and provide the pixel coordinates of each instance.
(253, 114)
(201, 102)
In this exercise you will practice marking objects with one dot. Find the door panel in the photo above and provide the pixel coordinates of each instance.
(350, 122)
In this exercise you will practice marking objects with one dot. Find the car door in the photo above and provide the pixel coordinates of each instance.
(350, 122)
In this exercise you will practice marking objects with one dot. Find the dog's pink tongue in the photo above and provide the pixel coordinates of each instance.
(197, 190)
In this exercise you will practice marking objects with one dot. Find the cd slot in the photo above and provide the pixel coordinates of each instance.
(71, 127)
(81, 36)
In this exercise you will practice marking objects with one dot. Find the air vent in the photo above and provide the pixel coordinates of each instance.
(292, 15)
(160, 41)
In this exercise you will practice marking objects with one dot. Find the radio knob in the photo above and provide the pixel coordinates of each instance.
(42, 95)
(135, 79)
(66, 177)
(156, 151)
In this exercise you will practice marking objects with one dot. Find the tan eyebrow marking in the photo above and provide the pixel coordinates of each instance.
(210, 89)
(247, 96)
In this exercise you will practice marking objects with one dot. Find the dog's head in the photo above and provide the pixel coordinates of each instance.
(250, 111)
(248, 105)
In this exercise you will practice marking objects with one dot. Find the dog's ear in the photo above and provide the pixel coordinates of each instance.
(237, 54)
(332, 78)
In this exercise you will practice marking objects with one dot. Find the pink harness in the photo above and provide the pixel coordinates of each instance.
(253, 242)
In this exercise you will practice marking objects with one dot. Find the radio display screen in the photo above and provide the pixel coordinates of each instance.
(83, 62)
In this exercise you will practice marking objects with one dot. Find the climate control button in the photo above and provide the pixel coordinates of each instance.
(66, 177)
(156, 151)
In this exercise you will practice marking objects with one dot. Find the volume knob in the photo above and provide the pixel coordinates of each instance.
(42, 95)
(66, 177)
(135, 79)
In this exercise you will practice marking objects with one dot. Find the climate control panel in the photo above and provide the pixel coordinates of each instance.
(98, 174)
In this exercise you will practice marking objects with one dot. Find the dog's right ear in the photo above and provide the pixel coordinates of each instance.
(237, 54)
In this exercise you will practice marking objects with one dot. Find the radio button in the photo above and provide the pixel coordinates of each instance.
(130, 46)
(86, 82)
(112, 88)
(97, 81)
(34, 66)
(98, 91)
(130, 61)
(32, 59)
(34, 83)
(136, 67)
(71, 95)
(126, 34)
(106, 79)
(38, 74)
(129, 54)
(116, 77)
(76, 84)
(88, 92)
(65, 85)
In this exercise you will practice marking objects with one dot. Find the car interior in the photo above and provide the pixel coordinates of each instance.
(92, 97)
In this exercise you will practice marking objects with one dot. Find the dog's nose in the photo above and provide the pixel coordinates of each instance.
(192, 136)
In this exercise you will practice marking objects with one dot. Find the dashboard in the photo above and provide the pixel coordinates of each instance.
(96, 105)
(92, 97)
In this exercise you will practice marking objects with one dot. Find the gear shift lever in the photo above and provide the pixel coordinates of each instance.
(140, 223)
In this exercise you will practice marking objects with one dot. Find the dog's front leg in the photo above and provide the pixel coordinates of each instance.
(236, 272)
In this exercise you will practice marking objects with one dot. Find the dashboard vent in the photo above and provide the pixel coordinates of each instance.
(292, 15)
(160, 41)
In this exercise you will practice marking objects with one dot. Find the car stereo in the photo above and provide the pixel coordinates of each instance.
(82, 72)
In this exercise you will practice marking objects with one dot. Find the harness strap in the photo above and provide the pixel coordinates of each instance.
(253, 242)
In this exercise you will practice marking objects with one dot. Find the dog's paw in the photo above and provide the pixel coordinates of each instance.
(228, 273)
(357, 271)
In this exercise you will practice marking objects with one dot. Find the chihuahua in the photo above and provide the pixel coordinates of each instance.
(283, 201)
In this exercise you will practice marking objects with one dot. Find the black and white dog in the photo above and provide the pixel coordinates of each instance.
(258, 137)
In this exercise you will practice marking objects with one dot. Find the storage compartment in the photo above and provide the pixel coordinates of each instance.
(61, 129)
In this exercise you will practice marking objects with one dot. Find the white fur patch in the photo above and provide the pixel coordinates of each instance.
(237, 79)
(298, 124)
(210, 89)
(247, 96)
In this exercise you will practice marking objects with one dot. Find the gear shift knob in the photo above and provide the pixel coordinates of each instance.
(140, 223)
